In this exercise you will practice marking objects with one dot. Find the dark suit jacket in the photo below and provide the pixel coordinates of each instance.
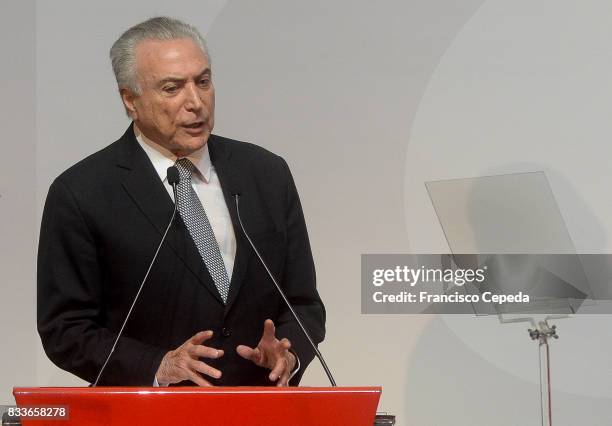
(102, 222)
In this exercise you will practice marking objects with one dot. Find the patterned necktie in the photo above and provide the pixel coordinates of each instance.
(194, 216)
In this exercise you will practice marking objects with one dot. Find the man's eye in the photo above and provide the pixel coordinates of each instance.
(205, 82)
(170, 89)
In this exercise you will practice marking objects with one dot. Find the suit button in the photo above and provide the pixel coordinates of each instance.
(226, 332)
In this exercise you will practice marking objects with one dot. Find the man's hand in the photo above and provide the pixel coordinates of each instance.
(184, 363)
(271, 353)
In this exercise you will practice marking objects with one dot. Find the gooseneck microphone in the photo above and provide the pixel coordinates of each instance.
(282, 293)
(173, 178)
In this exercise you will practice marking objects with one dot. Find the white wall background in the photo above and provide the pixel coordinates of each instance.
(366, 101)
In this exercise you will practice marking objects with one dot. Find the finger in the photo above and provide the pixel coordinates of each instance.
(254, 355)
(286, 376)
(197, 379)
(285, 344)
(204, 368)
(280, 366)
(269, 329)
(201, 337)
(200, 351)
(245, 351)
(284, 379)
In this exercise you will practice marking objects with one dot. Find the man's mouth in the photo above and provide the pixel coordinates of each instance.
(195, 128)
(194, 125)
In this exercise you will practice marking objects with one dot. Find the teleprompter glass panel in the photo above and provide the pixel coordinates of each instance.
(511, 226)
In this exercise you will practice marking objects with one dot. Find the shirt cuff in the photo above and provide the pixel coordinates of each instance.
(157, 385)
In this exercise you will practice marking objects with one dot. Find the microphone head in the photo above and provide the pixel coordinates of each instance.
(173, 176)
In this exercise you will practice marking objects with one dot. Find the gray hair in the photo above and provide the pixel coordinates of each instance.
(123, 51)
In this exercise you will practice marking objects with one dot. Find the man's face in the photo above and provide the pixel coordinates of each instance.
(176, 107)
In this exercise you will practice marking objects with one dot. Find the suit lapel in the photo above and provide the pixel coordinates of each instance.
(231, 183)
(148, 192)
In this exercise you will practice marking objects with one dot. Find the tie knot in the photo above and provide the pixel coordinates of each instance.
(185, 168)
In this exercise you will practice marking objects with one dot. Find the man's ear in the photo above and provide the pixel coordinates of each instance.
(128, 97)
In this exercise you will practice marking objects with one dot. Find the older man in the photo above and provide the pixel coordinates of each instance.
(208, 313)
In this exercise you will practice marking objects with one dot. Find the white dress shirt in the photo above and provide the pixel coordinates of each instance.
(207, 187)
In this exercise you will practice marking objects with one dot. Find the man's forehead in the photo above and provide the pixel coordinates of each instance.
(170, 56)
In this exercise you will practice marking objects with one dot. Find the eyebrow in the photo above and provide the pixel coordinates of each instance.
(171, 79)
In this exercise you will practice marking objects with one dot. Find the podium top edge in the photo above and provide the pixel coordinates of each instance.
(194, 390)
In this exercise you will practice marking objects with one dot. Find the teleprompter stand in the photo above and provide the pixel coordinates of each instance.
(541, 332)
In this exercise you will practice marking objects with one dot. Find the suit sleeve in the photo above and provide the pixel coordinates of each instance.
(299, 284)
(70, 311)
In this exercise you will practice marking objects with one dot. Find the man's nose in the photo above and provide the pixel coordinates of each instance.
(193, 101)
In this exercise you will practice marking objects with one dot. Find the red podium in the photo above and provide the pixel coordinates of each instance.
(244, 406)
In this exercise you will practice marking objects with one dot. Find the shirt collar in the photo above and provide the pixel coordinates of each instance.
(162, 158)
